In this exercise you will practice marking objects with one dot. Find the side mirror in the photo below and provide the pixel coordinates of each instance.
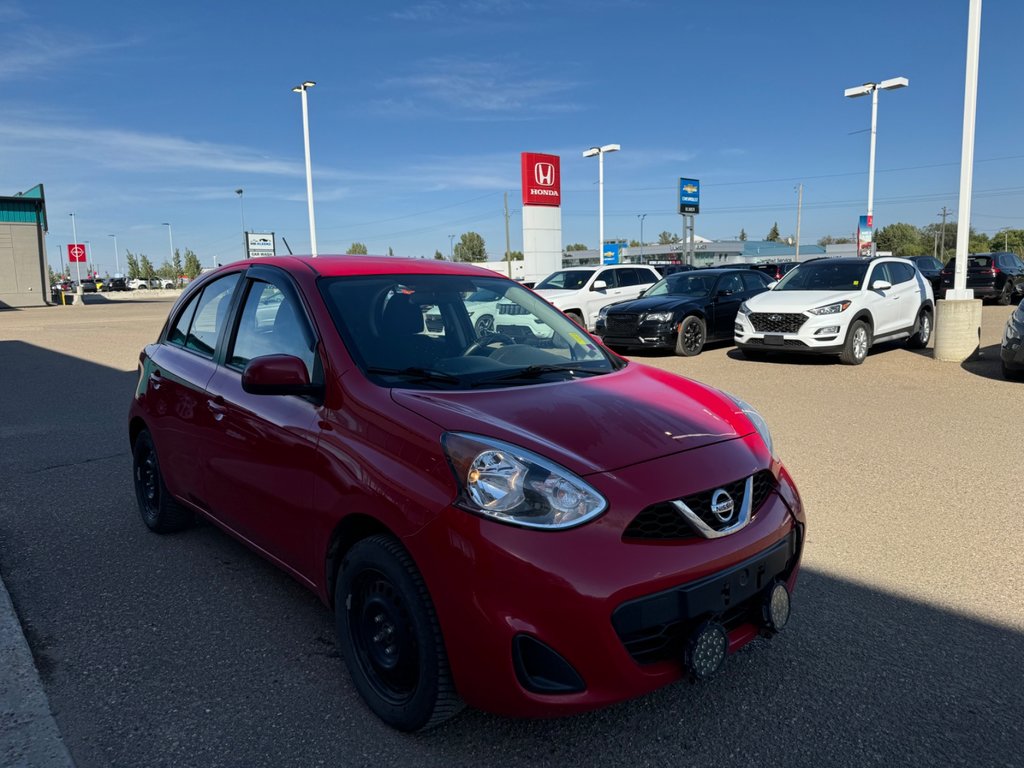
(599, 285)
(881, 285)
(278, 375)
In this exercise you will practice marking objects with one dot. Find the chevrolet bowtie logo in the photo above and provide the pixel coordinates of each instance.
(689, 189)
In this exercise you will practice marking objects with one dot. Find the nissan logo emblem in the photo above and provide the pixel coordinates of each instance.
(722, 505)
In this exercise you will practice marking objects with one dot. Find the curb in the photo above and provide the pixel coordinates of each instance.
(29, 737)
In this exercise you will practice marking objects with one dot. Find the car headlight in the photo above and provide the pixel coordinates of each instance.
(659, 317)
(757, 420)
(511, 484)
(744, 309)
(831, 309)
(603, 312)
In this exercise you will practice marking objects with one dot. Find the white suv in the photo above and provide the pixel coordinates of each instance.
(581, 292)
(839, 307)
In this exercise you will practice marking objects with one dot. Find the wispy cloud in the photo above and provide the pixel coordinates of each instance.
(435, 9)
(466, 89)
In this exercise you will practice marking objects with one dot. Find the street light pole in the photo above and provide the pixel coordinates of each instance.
(74, 234)
(600, 152)
(799, 207)
(170, 239)
(873, 89)
(451, 252)
(641, 216)
(117, 262)
(241, 207)
(301, 89)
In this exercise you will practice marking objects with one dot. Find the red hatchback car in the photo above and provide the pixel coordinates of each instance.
(514, 518)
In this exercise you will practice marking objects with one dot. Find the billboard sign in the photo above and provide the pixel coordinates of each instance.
(542, 179)
(689, 195)
(258, 244)
(864, 235)
(76, 252)
(610, 253)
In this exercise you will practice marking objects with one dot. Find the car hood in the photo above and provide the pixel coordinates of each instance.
(655, 303)
(797, 301)
(597, 424)
(554, 295)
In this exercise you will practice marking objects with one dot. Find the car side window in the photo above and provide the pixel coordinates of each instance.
(730, 284)
(754, 281)
(179, 333)
(272, 324)
(901, 273)
(627, 277)
(211, 315)
(609, 276)
(648, 276)
(880, 272)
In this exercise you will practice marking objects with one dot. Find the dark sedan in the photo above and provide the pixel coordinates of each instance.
(931, 269)
(682, 311)
(1012, 350)
(997, 276)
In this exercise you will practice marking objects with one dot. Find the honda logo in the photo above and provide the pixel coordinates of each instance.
(544, 173)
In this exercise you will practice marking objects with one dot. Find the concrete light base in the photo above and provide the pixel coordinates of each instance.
(957, 329)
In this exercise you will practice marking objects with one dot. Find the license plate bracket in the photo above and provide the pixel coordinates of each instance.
(774, 339)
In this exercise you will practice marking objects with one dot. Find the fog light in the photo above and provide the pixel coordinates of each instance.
(705, 653)
(828, 330)
(776, 607)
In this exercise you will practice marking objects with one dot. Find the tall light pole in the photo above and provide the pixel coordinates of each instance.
(963, 226)
(641, 216)
(74, 235)
(600, 152)
(241, 207)
(301, 89)
(799, 207)
(873, 89)
(451, 248)
(117, 261)
(170, 239)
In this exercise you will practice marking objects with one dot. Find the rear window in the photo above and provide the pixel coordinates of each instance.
(979, 262)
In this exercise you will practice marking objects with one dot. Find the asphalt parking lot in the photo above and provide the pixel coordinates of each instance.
(905, 646)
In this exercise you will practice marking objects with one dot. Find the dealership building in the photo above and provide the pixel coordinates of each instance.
(23, 274)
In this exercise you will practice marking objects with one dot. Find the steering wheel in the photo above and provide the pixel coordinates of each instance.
(485, 341)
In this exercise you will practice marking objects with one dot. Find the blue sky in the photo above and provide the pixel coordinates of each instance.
(133, 114)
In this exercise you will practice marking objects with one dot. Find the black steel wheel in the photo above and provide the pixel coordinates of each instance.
(390, 637)
(691, 337)
(160, 511)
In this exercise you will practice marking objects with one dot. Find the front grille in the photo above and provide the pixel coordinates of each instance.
(785, 343)
(512, 309)
(622, 324)
(777, 322)
(663, 522)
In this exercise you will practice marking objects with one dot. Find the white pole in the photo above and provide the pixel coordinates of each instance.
(74, 234)
(799, 206)
(600, 207)
(967, 154)
(117, 263)
(309, 173)
(871, 156)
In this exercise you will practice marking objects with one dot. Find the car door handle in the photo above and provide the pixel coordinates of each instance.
(156, 380)
(217, 408)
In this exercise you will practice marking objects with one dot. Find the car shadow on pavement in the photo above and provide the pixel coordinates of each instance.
(192, 650)
(986, 363)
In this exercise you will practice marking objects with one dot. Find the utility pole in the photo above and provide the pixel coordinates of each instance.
(799, 206)
(945, 212)
(508, 242)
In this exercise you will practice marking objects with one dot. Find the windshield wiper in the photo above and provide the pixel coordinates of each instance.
(414, 373)
(536, 371)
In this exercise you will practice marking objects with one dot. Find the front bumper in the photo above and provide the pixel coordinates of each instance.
(577, 592)
(652, 335)
(816, 334)
(1012, 352)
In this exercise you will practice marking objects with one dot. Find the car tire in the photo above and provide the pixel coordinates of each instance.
(858, 341)
(390, 637)
(692, 335)
(160, 511)
(577, 318)
(923, 334)
(1005, 297)
(1012, 374)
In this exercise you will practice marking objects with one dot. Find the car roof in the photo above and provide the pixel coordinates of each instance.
(340, 265)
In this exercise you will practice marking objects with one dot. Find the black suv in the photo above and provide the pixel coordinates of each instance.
(931, 268)
(997, 276)
(115, 284)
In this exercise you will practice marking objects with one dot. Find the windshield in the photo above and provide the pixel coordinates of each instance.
(440, 332)
(568, 279)
(683, 284)
(825, 275)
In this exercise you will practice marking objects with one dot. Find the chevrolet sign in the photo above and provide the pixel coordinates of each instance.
(689, 196)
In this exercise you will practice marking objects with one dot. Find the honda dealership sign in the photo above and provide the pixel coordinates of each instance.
(542, 183)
